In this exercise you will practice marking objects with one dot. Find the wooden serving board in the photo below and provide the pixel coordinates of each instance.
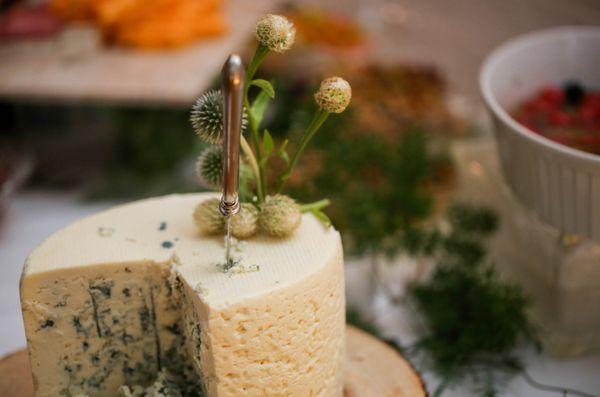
(373, 369)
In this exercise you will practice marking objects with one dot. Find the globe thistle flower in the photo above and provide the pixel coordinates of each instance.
(209, 167)
(279, 215)
(208, 218)
(275, 32)
(244, 224)
(334, 95)
(207, 117)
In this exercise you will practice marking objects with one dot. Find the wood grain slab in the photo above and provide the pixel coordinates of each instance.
(74, 65)
(15, 376)
(373, 369)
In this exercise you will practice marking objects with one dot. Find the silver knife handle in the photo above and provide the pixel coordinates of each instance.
(232, 87)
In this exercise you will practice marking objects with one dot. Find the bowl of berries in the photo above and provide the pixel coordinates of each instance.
(543, 91)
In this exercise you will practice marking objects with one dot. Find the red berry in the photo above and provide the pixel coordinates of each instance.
(573, 122)
(560, 119)
(589, 139)
(530, 126)
(552, 95)
(521, 118)
(593, 97)
(563, 140)
(588, 114)
(529, 108)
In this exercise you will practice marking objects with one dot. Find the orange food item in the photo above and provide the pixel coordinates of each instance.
(110, 12)
(316, 26)
(169, 31)
(151, 23)
(72, 10)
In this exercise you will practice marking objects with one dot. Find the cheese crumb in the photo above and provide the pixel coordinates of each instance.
(106, 231)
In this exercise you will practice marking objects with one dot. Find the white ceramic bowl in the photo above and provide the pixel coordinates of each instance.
(561, 184)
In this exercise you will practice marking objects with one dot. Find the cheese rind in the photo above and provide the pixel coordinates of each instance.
(115, 297)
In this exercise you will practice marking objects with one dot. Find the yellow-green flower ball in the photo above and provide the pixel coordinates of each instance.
(279, 215)
(208, 218)
(334, 95)
(275, 32)
(244, 224)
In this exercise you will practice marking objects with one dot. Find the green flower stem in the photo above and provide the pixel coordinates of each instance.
(263, 178)
(312, 129)
(253, 129)
(259, 55)
(317, 205)
(254, 165)
(257, 146)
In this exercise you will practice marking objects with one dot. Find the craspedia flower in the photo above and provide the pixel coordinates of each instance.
(207, 117)
(209, 167)
(208, 218)
(275, 32)
(334, 95)
(244, 224)
(279, 215)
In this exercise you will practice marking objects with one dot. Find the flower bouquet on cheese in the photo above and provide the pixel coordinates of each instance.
(264, 208)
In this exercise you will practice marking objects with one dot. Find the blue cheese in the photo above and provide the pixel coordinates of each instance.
(165, 385)
(119, 312)
(112, 325)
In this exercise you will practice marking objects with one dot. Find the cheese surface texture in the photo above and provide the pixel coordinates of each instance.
(117, 297)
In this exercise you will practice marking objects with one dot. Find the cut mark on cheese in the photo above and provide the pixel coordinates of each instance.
(155, 329)
(95, 308)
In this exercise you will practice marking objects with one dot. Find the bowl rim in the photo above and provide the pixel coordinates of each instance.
(514, 44)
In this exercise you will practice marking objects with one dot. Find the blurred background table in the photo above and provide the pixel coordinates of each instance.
(454, 37)
(74, 66)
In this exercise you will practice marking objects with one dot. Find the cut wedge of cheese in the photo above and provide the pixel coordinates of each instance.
(116, 297)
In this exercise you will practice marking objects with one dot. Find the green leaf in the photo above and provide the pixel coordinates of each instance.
(268, 144)
(265, 86)
(246, 181)
(281, 152)
(322, 217)
(258, 108)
